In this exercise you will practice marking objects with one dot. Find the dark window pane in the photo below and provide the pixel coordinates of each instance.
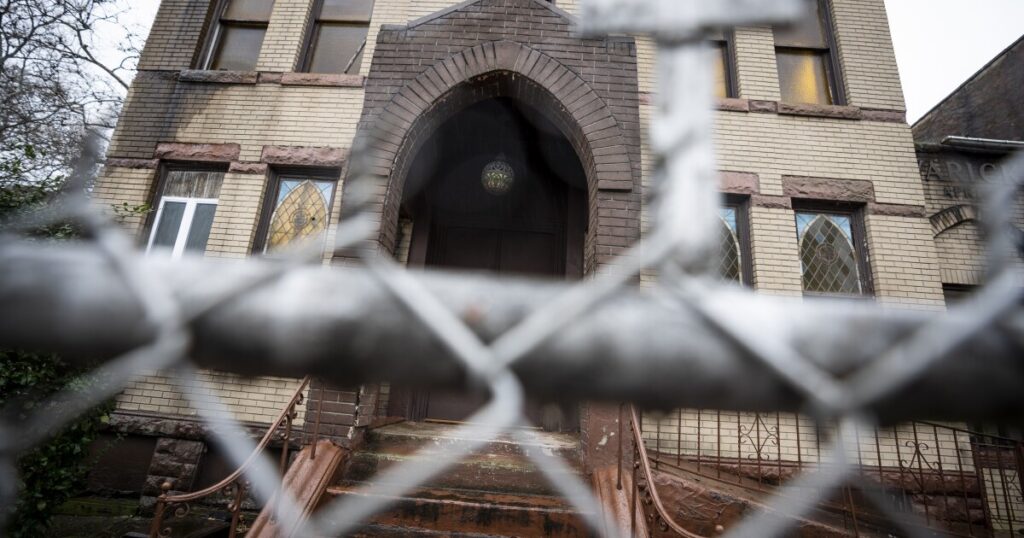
(168, 224)
(346, 10)
(827, 256)
(808, 32)
(721, 66)
(238, 49)
(335, 46)
(199, 233)
(803, 77)
(249, 10)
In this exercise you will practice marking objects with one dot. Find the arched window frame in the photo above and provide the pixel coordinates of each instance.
(271, 192)
(741, 206)
(855, 213)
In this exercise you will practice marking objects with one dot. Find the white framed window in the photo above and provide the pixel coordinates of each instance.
(185, 211)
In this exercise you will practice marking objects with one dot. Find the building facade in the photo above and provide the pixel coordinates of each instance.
(239, 126)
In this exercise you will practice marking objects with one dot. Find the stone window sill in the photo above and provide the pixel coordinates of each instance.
(285, 79)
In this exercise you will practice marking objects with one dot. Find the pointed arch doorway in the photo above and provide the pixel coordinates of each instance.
(531, 225)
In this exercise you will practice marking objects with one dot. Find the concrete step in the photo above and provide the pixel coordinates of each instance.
(471, 513)
(392, 531)
(481, 472)
(502, 465)
(409, 437)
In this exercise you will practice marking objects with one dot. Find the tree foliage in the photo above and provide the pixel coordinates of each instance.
(56, 80)
(55, 87)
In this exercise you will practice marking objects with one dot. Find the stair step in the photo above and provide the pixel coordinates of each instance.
(473, 513)
(392, 531)
(482, 472)
(501, 465)
(425, 437)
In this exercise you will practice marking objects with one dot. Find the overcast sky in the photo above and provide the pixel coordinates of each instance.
(939, 43)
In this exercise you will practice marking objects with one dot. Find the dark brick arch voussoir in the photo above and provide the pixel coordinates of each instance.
(410, 117)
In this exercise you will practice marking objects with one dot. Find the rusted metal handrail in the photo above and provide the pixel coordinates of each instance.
(231, 486)
(642, 464)
(958, 481)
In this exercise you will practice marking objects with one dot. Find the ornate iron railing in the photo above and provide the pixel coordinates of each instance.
(234, 487)
(943, 477)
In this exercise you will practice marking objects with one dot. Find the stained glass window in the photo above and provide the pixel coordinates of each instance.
(302, 210)
(828, 257)
(184, 217)
(729, 241)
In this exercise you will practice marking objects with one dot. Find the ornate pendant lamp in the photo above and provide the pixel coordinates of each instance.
(498, 176)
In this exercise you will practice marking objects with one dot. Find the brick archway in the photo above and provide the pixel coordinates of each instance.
(504, 69)
(952, 217)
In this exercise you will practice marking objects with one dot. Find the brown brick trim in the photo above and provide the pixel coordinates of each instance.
(732, 104)
(321, 79)
(739, 104)
(951, 217)
(148, 164)
(180, 151)
(767, 107)
(739, 183)
(238, 167)
(897, 210)
(840, 112)
(771, 202)
(886, 116)
(840, 190)
(218, 77)
(304, 156)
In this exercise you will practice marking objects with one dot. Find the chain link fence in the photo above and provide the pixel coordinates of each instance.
(856, 364)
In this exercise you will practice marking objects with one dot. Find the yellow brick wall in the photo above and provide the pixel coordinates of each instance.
(866, 54)
(286, 35)
(119, 185)
(173, 40)
(769, 145)
(757, 76)
(238, 211)
(962, 251)
(249, 399)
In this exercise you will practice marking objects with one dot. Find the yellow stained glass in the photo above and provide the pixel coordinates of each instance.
(302, 212)
(803, 78)
(721, 66)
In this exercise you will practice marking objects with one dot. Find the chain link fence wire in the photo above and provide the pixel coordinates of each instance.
(101, 297)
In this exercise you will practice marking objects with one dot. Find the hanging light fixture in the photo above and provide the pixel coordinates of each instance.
(498, 176)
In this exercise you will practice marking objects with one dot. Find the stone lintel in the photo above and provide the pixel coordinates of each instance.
(842, 190)
(304, 156)
(181, 151)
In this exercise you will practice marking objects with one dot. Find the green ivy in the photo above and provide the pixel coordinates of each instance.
(52, 473)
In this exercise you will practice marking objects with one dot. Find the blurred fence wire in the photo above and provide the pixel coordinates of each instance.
(852, 363)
